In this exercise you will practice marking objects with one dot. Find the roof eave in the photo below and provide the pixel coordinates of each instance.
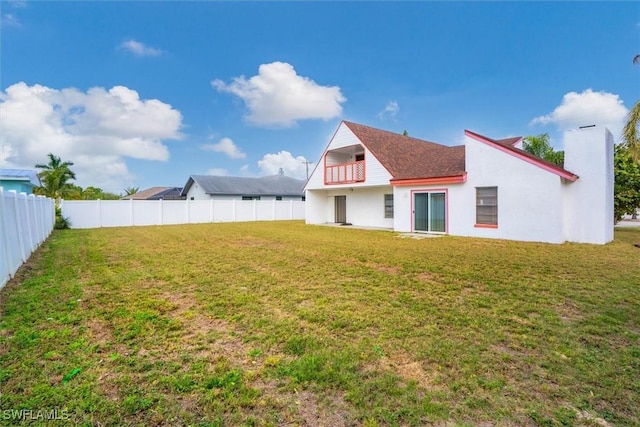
(452, 179)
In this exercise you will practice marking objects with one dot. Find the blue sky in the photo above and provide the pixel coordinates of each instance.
(147, 93)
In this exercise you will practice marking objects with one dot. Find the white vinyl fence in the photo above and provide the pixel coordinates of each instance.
(123, 213)
(25, 222)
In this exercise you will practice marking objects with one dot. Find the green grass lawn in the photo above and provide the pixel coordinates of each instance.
(280, 323)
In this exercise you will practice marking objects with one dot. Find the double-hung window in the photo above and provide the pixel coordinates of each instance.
(388, 205)
(487, 206)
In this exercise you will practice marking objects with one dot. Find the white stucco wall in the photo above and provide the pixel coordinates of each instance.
(365, 206)
(316, 207)
(589, 216)
(529, 198)
(197, 193)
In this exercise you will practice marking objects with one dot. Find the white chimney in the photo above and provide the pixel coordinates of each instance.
(588, 214)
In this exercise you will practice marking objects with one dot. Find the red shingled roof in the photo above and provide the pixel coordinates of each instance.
(509, 141)
(149, 193)
(406, 157)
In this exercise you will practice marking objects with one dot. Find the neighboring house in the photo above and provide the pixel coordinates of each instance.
(275, 187)
(157, 193)
(484, 188)
(20, 180)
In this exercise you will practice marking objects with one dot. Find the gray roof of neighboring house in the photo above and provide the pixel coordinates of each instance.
(156, 193)
(275, 185)
(21, 175)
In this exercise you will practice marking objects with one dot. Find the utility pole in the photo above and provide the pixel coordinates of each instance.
(307, 163)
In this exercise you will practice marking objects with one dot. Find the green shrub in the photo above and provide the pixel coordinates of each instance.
(61, 221)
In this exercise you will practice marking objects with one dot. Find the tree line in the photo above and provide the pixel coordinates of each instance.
(56, 177)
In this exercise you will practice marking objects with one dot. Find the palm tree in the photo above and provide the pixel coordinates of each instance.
(537, 145)
(630, 132)
(540, 146)
(55, 177)
(131, 190)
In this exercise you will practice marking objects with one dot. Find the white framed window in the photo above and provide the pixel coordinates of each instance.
(487, 206)
(388, 205)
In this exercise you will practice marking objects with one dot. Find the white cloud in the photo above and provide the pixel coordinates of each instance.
(139, 49)
(278, 96)
(18, 4)
(390, 110)
(96, 130)
(587, 108)
(218, 172)
(226, 146)
(292, 166)
(10, 20)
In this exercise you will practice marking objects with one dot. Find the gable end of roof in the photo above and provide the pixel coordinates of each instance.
(522, 155)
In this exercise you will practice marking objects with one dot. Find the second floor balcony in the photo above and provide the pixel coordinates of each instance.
(344, 173)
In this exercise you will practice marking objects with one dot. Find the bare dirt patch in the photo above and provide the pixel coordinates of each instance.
(410, 370)
(591, 419)
(427, 277)
(256, 243)
(327, 412)
(569, 311)
(388, 269)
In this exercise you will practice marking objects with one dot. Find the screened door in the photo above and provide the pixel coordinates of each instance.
(341, 209)
(421, 212)
(429, 212)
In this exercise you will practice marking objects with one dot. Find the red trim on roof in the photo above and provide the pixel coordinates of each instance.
(456, 179)
(523, 155)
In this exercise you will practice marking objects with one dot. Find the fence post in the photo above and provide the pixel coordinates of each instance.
(187, 209)
(52, 217)
(99, 204)
(29, 215)
(39, 209)
(131, 212)
(4, 227)
(160, 208)
(211, 210)
(234, 210)
(19, 226)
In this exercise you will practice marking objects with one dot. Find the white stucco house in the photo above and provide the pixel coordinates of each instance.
(484, 188)
(274, 187)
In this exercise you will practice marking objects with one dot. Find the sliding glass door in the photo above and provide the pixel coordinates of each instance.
(429, 212)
